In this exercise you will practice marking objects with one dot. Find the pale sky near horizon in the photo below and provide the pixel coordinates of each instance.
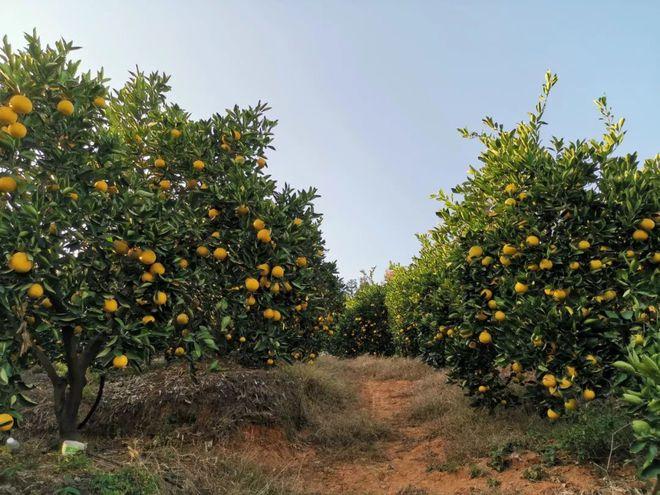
(369, 93)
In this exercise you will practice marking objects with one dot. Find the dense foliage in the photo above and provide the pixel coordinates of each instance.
(362, 327)
(129, 230)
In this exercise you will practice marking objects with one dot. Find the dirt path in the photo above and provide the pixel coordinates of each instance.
(410, 461)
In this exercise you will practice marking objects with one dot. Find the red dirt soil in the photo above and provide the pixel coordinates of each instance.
(403, 467)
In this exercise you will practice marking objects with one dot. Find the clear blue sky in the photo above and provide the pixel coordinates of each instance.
(369, 93)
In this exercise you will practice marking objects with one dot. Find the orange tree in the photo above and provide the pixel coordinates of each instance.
(362, 327)
(555, 260)
(128, 229)
(259, 248)
(419, 301)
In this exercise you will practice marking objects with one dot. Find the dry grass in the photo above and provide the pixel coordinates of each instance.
(470, 433)
(379, 368)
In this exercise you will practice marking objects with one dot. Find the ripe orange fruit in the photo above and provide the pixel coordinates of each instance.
(213, 212)
(220, 253)
(552, 415)
(258, 224)
(148, 319)
(7, 116)
(301, 261)
(17, 130)
(7, 184)
(198, 165)
(101, 185)
(509, 250)
(492, 304)
(475, 252)
(532, 240)
(510, 188)
(157, 269)
(175, 133)
(485, 337)
(571, 404)
(183, 264)
(549, 381)
(202, 251)
(110, 305)
(147, 277)
(595, 264)
(251, 301)
(487, 293)
(588, 394)
(264, 269)
(99, 102)
(584, 245)
(520, 288)
(242, 210)
(159, 163)
(35, 291)
(261, 162)
(483, 389)
(277, 316)
(6, 422)
(164, 184)
(20, 104)
(65, 107)
(121, 247)
(179, 351)
(640, 235)
(269, 314)
(251, 284)
(147, 257)
(297, 222)
(239, 160)
(574, 265)
(264, 235)
(647, 224)
(160, 298)
(277, 272)
(120, 362)
(499, 316)
(20, 262)
(545, 264)
(517, 367)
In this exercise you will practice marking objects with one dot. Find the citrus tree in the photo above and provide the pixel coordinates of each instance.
(555, 261)
(129, 230)
(419, 301)
(362, 327)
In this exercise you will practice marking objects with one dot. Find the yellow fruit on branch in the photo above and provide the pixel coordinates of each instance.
(297, 222)
(487, 260)
(251, 301)
(110, 305)
(553, 415)
(20, 262)
(277, 316)
(17, 130)
(485, 337)
(545, 264)
(571, 405)
(220, 253)
(202, 251)
(509, 250)
(516, 367)
(242, 210)
(487, 294)
(175, 133)
(277, 272)
(258, 224)
(164, 184)
(147, 277)
(532, 241)
(159, 163)
(268, 314)
(595, 264)
(492, 304)
(183, 263)
(261, 162)
(120, 247)
(157, 269)
(35, 291)
(640, 235)
(147, 257)
(264, 236)
(588, 394)
(213, 212)
(549, 381)
(252, 284)
(7, 184)
(520, 288)
(475, 252)
(584, 245)
(99, 102)
(483, 389)
(574, 265)
(647, 224)
(179, 352)
(160, 298)
(6, 422)
(101, 185)
(198, 165)
(120, 362)
(499, 316)
(20, 104)
(148, 319)
(7, 116)
(65, 107)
